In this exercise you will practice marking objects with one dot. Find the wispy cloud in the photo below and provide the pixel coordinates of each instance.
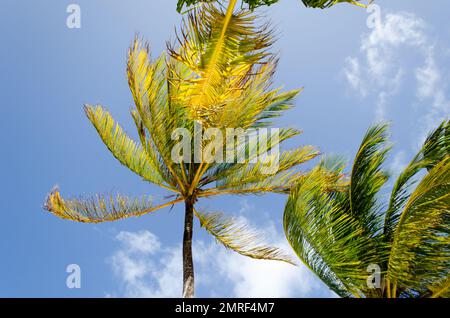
(145, 268)
(400, 50)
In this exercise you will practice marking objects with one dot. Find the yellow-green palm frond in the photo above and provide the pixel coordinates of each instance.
(156, 115)
(440, 289)
(124, 149)
(256, 176)
(230, 69)
(247, 148)
(98, 209)
(435, 148)
(236, 236)
(257, 102)
(420, 254)
(327, 238)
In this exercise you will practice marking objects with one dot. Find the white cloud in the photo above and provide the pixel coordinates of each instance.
(257, 278)
(398, 51)
(379, 72)
(431, 91)
(144, 268)
(155, 271)
(143, 242)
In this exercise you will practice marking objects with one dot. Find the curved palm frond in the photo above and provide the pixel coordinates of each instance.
(236, 236)
(435, 148)
(230, 68)
(420, 254)
(100, 208)
(440, 289)
(339, 233)
(122, 147)
(258, 175)
(156, 116)
(314, 225)
(367, 178)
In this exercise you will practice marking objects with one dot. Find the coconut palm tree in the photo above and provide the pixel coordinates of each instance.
(217, 76)
(252, 4)
(404, 244)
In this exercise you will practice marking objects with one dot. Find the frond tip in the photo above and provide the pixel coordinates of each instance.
(98, 209)
(236, 236)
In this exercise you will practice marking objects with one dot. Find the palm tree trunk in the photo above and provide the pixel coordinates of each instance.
(188, 264)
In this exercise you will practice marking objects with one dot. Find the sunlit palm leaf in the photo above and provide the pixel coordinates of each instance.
(259, 175)
(122, 147)
(440, 289)
(148, 81)
(98, 209)
(314, 224)
(420, 253)
(367, 178)
(227, 88)
(235, 235)
(435, 149)
(247, 150)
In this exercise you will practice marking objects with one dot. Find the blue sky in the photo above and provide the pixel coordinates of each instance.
(353, 76)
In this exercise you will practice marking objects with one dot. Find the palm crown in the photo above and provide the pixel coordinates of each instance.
(219, 75)
(342, 235)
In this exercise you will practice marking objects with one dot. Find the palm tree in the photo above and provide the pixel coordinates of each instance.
(219, 76)
(252, 4)
(344, 236)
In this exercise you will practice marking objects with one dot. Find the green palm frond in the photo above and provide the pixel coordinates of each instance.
(420, 251)
(435, 149)
(236, 236)
(98, 209)
(314, 225)
(367, 178)
(122, 147)
(338, 234)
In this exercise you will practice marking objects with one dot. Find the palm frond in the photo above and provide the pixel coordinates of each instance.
(440, 289)
(314, 224)
(420, 254)
(236, 236)
(155, 115)
(367, 178)
(122, 147)
(247, 149)
(255, 175)
(230, 69)
(435, 149)
(100, 208)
